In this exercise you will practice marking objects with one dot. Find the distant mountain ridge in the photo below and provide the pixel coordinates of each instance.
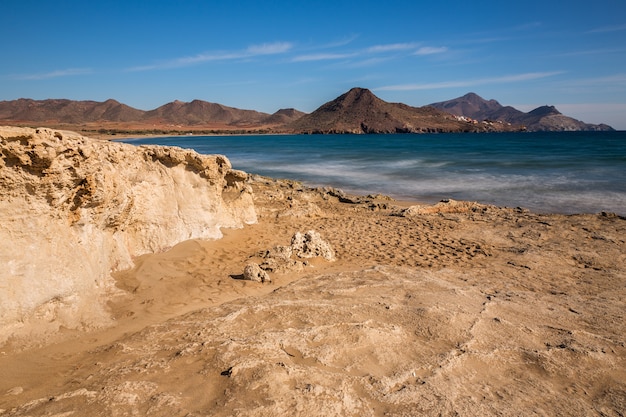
(544, 118)
(198, 111)
(67, 111)
(176, 113)
(356, 111)
(360, 111)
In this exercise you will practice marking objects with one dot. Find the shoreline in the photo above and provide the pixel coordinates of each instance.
(487, 170)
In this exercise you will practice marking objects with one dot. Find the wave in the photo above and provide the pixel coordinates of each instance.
(548, 173)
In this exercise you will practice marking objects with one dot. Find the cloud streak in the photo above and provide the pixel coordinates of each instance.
(391, 47)
(252, 51)
(607, 29)
(598, 51)
(341, 42)
(430, 50)
(277, 48)
(54, 74)
(322, 57)
(269, 48)
(470, 83)
(411, 48)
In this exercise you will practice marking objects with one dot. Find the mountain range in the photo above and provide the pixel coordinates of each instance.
(113, 115)
(356, 111)
(360, 111)
(544, 118)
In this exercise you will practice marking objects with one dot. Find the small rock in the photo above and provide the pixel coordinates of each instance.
(253, 272)
(311, 245)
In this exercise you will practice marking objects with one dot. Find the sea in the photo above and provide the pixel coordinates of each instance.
(546, 172)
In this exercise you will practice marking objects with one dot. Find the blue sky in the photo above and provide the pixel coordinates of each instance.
(277, 54)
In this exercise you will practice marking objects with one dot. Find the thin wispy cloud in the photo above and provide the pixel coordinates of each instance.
(186, 61)
(391, 47)
(371, 55)
(322, 57)
(482, 40)
(270, 48)
(431, 50)
(54, 74)
(341, 42)
(206, 58)
(597, 51)
(470, 83)
(252, 51)
(607, 29)
(525, 77)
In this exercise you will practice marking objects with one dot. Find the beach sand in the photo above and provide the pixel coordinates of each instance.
(452, 309)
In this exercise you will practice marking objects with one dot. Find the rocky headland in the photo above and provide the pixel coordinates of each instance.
(280, 299)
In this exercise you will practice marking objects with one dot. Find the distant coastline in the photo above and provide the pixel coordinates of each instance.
(357, 111)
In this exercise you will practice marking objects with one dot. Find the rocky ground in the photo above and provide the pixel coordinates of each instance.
(453, 309)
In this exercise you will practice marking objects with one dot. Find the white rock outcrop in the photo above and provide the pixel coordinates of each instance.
(73, 210)
(288, 259)
(310, 245)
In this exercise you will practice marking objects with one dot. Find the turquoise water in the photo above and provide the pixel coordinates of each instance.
(570, 172)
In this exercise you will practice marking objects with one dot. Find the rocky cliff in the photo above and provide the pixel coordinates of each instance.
(74, 210)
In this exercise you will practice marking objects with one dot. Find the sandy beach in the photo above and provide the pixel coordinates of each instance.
(451, 309)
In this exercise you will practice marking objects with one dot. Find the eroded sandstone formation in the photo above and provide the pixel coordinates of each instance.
(74, 210)
(283, 259)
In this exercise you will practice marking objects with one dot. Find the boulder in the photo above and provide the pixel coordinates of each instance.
(253, 272)
(310, 245)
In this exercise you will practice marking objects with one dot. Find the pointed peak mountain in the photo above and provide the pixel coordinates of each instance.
(358, 93)
(289, 112)
(544, 111)
(284, 116)
(360, 111)
(111, 101)
(173, 104)
(476, 99)
(471, 105)
(354, 97)
(471, 96)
